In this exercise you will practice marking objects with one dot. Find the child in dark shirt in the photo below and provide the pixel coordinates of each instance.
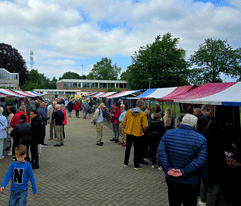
(20, 172)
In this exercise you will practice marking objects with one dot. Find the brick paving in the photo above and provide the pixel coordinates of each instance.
(82, 173)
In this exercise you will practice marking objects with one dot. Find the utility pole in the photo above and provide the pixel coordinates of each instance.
(150, 82)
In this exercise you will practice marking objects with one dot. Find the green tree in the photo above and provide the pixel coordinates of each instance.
(213, 58)
(70, 75)
(162, 61)
(112, 89)
(90, 76)
(12, 61)
(39, 81)
(53, 83)
(125, 75)
(104, 70)
(34, 82)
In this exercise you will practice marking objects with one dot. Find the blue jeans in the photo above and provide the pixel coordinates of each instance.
(84, 113)
(18, 197)
(115, 130)
(1, 147)
(90, 109)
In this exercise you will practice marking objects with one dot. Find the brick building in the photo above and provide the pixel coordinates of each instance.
(86, 85)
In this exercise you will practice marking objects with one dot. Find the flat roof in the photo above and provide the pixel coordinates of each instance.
(60, 90)
(91, 81)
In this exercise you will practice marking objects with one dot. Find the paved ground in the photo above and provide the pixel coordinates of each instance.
(81, 173)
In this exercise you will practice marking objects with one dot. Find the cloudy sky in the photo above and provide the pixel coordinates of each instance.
(72, 35)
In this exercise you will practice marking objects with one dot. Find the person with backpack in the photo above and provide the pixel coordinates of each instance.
(97, 120)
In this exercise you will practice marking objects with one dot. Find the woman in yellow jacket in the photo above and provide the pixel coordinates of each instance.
(135, 123)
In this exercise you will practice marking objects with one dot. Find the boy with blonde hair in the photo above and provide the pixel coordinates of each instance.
(20, 172)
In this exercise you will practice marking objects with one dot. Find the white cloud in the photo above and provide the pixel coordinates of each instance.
(60, 29)
(59, 62)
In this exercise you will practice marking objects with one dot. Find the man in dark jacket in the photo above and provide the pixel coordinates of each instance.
(43, 114)
(182, 153)
(58, 115)
(202, 121)
(36, 134)
(21, 134)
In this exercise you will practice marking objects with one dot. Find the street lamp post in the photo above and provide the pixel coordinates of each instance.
(150, 82)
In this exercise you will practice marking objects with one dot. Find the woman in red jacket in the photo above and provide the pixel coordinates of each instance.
(114, 119)
(77, 107)
(65, 118)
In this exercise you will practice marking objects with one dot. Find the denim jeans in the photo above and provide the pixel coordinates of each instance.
(90, 109)
(115, 130)
(84, 113)
(1, 147)
(18, 197)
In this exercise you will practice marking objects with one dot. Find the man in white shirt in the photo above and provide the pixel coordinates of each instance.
(98, 121)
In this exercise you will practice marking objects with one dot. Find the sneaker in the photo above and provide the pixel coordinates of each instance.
(10, 153)
(1, 157)
(137, 168)
(14, 158)
(57, 145)
(200, 203)
(99, 144)
(112, 139)
(116, 141)
(153, 166)
(125, 165)
(160, 168)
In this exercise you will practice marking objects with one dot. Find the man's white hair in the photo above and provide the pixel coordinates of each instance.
(122, 105)
(189, 120)
(58, 106)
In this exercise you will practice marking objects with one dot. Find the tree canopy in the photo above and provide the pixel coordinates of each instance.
(12, 61)
(213, 58)
(162, 61)
(70, 75)
(38, 81)
(104, 70)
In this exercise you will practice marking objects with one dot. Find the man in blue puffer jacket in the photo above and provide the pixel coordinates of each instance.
(182, 153)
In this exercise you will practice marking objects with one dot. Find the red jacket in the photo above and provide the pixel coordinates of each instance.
(65, 117)
(15, 120)
(116, 115)
(77, 106)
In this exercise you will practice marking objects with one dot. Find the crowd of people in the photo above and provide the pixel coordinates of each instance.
(183, 149)
(24, 124)
(189, 150)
